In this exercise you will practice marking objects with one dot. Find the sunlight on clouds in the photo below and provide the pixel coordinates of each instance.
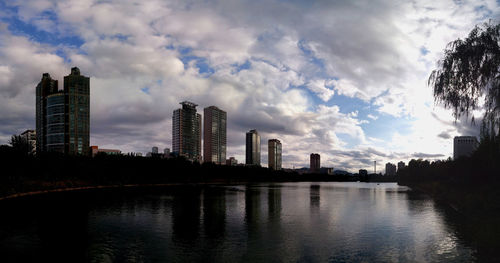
(300, 62)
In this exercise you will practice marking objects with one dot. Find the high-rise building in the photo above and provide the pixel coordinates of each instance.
(55, 137)
(390, 169)
(46, 87)
(231, 161)
(214, 135)
(314, 163)
(30, 137)
(77, 111)
(464, 146)
(63, 116)
(186, 132)
(274, 154)
(154, 150)
(253, 148)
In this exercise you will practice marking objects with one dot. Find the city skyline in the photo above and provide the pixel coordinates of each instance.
(353, 93)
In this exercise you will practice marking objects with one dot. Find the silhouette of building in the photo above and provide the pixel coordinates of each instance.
(253, 148)
(314, 163)
(231, 161)
(47, 86)
(214, 135)
(63, 116)
(30, 137)
(95, 150)
(464, 146)
(401, 165)
(274, 154)
(77, 112)
(166, 152)
(390, 169)
(186, 132)
(154, 150)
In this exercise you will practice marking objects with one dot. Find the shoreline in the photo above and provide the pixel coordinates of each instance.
(131, 186)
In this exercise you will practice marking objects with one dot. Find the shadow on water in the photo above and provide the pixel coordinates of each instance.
(56, 232)
(480, 231)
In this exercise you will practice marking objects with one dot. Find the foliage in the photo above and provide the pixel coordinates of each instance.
(469, 73)
(21, 144)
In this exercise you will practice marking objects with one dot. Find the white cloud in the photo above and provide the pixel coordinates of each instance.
(378, 52)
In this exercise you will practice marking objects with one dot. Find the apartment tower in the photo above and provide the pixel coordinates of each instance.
(315, 163)
(186, 132)
(63, 116)
(214, 135)
(253, 148)
(274, 154)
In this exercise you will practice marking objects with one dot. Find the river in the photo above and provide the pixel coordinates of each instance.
(268, 222)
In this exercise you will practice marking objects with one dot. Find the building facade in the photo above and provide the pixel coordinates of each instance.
(231, 161)
(464, 146)
(47, 86)
(63, 116)
(30, 137)
(252, 148)
(55, 139)
(390, 169)
(274, 154)
(314, 163)
(214, 135)
(77, 111)
(186, 132)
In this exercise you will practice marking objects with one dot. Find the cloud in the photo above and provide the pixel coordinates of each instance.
(292, 70)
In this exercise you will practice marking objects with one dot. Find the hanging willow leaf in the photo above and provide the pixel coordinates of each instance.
(468, 77)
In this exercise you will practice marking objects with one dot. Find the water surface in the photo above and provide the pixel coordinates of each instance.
(282, 222)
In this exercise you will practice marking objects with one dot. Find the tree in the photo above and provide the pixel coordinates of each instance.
(468, 77)
(21, 144)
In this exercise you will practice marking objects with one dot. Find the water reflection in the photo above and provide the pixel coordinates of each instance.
(214, 212)
(186, 205)
(314, 197)
(274, 203)
(250, 223)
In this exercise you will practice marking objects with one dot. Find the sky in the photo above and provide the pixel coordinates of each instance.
(345, 79)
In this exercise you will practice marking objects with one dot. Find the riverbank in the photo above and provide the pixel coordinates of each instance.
(40, 174)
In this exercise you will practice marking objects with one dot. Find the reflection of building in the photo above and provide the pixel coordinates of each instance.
(186, 131)
(314, 195)
(315, 163)
(464, 146)
(63, 117)
(231, 161)
(274, 203)
(95, 150)
(214, 135)
(30, 137)
(390, 169)
(214, 212)
(401, 165)
(274, 154)
(253, 148)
